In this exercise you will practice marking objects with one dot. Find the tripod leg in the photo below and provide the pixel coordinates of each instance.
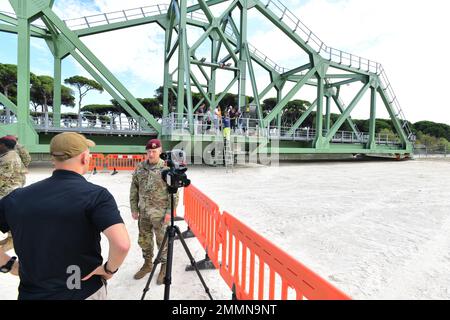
(155, 264)
(168, 278)
(193, 263)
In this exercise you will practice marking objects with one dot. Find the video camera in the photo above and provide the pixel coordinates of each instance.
(175, 176)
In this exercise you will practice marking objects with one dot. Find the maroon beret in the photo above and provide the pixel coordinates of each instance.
(12, 138)
(153, 144)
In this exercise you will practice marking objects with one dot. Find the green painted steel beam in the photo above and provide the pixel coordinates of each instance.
(318, 141)
(280, 106)
(219, 99)
(346, 76)
(302, 119)
(263, 9)
(75, 41)
(7, 103)
(208, 3)
(373, 118)
(348, 69)
(34, 31)
(200, 40)
(344, 82)
(267, 89)
(14, 30)
(176, 20)
(346, 113)
(227, 45)
(204, 7)
(256, 96)
(184, 69)
(328, 113)
(244, 61)
(214, 65)
(337, 149)
(296, 70)
(57, 91)
(159, 19)
(201, 68)
(342, 110)
(108, 27)
(202, 100)
(199, 87)
(23, 80)
(393, 116)
(168, 52)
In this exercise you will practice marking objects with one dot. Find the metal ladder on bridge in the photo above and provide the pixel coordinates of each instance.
(229, 156)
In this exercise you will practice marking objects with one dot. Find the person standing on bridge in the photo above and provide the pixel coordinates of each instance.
(150, 204)
(217, 119)
(208, 120)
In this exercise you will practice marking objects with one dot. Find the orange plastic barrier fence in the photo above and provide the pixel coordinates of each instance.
(251, 263)
(122, 162)
(203, 217)
(254, 267)
(97, 161)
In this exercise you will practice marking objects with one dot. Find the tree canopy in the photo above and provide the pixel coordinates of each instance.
(41, 93)
(83, 86)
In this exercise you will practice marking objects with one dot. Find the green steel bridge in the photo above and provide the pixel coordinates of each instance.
(226, 35)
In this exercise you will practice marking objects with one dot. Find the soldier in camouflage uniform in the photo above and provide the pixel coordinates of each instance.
(150, 203)
(24, 156)
(11, 175)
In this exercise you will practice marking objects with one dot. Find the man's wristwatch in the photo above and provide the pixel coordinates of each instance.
(8, 266)
(109, 271)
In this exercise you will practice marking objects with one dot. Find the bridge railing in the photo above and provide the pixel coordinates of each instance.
(175, 124)
(116, 16)
(113, 125)
(250, 127)
(309, 134)
(8, 119)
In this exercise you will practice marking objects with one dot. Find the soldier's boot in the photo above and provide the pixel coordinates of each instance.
(161, 275)
(145, 269)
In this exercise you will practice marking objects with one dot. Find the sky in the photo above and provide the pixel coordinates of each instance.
(404, 36)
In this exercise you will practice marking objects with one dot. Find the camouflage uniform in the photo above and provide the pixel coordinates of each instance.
(11, 178)
(26, 160)
(11, 172)
(149, 197)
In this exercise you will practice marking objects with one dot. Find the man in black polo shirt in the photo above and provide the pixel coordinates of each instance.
(56, 225)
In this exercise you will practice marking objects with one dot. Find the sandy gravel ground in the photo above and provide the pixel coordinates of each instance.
(376, 230)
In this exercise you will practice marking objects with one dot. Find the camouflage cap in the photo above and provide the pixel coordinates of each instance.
(67, 145)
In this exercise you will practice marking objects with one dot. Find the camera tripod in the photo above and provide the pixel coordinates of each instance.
(169, 238)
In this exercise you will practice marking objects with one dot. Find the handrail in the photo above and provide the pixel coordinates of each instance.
(115, 16)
